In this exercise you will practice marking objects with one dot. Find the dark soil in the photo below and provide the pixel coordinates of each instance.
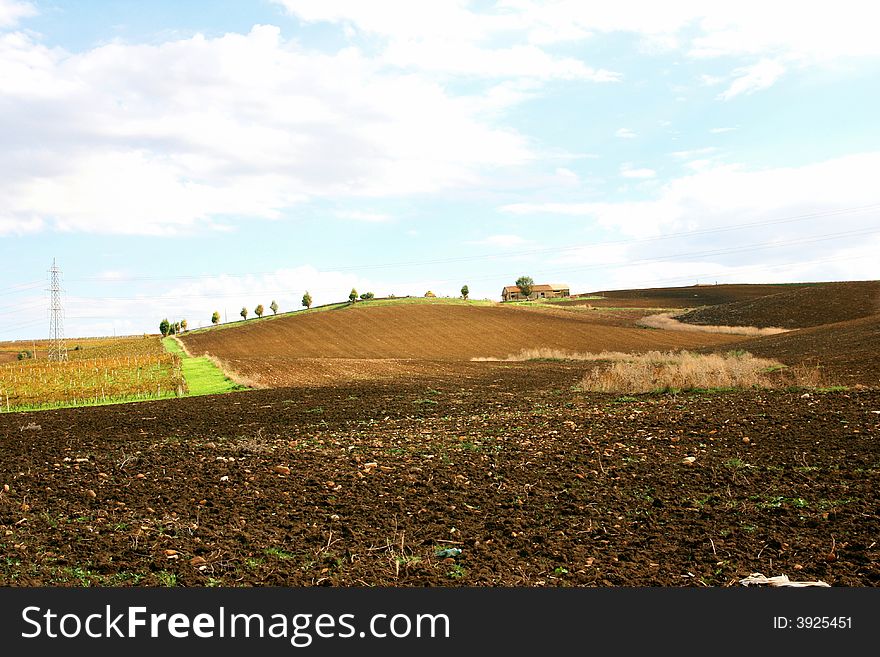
(535, 483)
(685, 297)
(795, 308)
(848, 353)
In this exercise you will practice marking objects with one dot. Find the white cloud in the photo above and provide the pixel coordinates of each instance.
(749, 79)
(694, 152)
(625, 133)
(718, 131)
(567, 176)
(360, 215)
(12, 11)
(157, 139)
(196, 300)
(729, 194)
(448, 37)
(501, 241)
(796, 33)
(628, 171)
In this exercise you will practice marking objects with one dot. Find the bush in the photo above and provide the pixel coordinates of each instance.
(669, 372)
(27, 353)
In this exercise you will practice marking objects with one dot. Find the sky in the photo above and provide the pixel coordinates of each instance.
(177, 158)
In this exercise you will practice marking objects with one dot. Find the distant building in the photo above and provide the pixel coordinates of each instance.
(513, 293)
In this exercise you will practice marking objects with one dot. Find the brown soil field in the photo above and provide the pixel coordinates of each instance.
(847, 352)
(363, 342)
(682, 297)
(362, 484)
(795, 308)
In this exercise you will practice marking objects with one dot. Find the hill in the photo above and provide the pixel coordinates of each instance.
(799, 307)
(681, 297)
(366, 340)
(846, 351)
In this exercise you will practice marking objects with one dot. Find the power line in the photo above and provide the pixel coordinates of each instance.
(628, 263)
(510, 254)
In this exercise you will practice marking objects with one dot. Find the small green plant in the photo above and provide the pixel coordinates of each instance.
(279, 553)
(456, 571)
(560, 570)
(167, 579)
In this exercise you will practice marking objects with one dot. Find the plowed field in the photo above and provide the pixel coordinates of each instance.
(795, 308)
(848, 352)
(682, 297)
(355, 485)
(362, 342)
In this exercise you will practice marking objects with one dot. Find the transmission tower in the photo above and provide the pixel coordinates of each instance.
(57, 348)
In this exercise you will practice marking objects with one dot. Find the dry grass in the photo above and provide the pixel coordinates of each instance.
(663, 372)
(232, 375)
(667, 322)
(546, 353)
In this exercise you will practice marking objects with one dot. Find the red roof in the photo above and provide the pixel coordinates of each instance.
(536, 288)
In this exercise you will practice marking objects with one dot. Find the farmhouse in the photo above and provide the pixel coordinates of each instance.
(512, 292)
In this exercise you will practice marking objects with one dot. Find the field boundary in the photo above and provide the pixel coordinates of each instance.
(202, 374)
(667, 322)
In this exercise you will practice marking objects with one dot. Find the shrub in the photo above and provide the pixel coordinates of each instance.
(27, 353)
(666, 372)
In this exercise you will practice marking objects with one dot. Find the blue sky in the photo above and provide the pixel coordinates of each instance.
(180, 158)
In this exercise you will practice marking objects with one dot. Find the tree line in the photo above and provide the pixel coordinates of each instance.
(167, 328)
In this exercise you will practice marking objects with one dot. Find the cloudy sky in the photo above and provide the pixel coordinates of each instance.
(180, 158)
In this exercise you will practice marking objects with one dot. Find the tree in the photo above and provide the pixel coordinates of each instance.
(353, 295)
(215, 318)
(367, 295)
(243, 313)
(183, 324)
(258, 311)
(274, 307)
(525, 283)
(164, 327)
(176, 327)
(430, 294)
(307, 299)
(465, 292)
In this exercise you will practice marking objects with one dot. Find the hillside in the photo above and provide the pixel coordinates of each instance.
(848, 352)
(293, 349)
(800, 307)
(682, 297)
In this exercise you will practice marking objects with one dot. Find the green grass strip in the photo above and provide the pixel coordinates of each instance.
(202, 376)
